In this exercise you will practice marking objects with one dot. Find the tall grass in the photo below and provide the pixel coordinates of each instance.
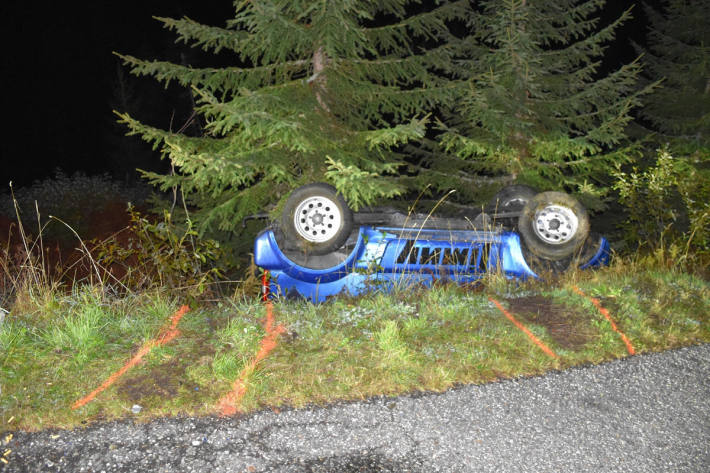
(29, 283)
(25, 278)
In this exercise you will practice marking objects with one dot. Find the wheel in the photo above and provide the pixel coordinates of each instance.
(511, 199)
(546, 266)
(316, 219)
(553, 225)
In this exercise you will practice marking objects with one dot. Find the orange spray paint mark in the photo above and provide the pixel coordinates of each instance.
(228, 405)
(164, 337)
(522, 327)
(265, 285)
(605, 313)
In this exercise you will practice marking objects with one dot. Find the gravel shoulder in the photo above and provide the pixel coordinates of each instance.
(641, 414)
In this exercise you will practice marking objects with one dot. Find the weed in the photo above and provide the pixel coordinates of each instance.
(394, 351)
(239, 340)
(416, 325)
(12, 335)
(79, 334)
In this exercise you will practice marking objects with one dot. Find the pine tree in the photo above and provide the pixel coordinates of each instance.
(536, 107)
(679, 53)
(320, 91)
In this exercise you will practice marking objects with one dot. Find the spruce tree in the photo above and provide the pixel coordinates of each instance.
(679, 54)
(319, 91)
(536, 106)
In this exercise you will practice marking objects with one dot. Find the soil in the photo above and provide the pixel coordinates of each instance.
(569, 328)
(161, 380)
(165, 380)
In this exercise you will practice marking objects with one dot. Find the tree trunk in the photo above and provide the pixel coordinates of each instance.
(317, 80)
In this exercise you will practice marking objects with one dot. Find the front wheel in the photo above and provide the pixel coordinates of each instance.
(316, 219)
(553, 225)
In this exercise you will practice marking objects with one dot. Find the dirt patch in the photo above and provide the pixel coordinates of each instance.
(170, 380)
(570, 329)
(163, 380)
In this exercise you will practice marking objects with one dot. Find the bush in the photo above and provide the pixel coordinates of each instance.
(668, 204)
(162, 253)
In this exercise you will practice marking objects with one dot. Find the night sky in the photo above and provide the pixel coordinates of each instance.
(59, 75)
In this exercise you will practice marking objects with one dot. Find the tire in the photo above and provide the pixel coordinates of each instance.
(543, 266)
(553, 225)
(316, 219)
(511, 199)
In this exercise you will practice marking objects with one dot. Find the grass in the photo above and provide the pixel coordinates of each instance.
(52, 354)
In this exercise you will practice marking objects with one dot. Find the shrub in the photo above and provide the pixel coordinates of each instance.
(668, 204)
(161, 253)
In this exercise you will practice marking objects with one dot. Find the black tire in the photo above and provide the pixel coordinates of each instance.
(316, 219)
(553, 225)
(542, 266)
(511, 199)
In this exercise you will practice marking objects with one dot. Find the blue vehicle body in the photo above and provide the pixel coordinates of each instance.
(380, 258)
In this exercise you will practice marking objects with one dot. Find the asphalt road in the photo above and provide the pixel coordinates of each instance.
(647, 413)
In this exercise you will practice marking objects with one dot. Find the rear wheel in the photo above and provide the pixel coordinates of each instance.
(553, 225)
(511, 199)
(316, 219)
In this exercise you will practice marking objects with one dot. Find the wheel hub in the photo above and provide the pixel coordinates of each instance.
(555, 224)
(317, 219)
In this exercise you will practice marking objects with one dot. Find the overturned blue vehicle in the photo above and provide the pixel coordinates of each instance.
(320, 248)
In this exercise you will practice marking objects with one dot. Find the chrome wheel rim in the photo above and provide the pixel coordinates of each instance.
(317, 219)
(555, 224)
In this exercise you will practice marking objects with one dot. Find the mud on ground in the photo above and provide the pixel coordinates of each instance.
(569, 328)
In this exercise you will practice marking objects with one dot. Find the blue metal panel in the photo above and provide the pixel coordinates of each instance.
(268, 255)
(601, 257)
(511, 255)
(283, 285)
(384, 258)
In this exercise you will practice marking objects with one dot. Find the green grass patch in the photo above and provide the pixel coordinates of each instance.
(379, 344)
